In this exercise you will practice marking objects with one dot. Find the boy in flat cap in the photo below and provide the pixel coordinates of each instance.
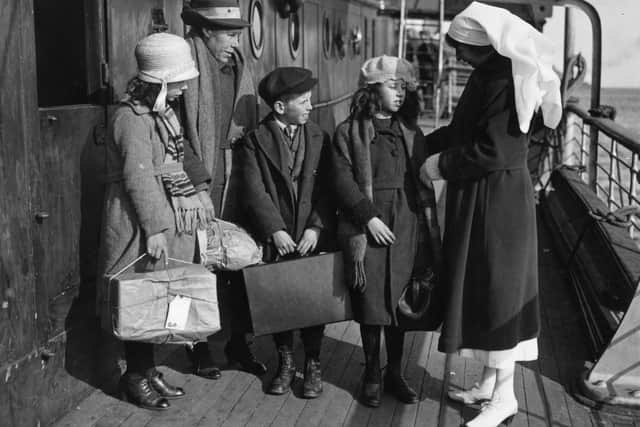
(282, 162)
(219, 108)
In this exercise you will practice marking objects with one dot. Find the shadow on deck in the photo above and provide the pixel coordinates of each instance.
(237, 399)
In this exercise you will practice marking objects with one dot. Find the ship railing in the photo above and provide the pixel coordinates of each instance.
(607, 155)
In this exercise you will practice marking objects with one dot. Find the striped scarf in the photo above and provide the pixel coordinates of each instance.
(189, 212)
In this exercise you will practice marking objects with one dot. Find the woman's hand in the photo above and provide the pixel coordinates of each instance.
(380, 232)
(157, 246)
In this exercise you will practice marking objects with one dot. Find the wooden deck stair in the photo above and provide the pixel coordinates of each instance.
(237, 399)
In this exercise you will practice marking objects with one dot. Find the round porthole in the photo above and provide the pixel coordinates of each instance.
(340, 41)
(326, 36)
(294, 34)
(256, 16)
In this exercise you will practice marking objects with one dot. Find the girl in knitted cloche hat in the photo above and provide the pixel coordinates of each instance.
(156, 191)
(387, 239)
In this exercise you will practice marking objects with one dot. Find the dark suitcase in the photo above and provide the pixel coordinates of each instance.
(297, 293)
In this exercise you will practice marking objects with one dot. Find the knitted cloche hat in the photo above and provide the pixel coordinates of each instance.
(164, 58)
(382, 68)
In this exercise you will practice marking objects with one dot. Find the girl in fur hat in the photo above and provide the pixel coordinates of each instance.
(376, 157)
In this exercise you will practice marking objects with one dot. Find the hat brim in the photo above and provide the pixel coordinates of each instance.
(189, 74)
(195, 19)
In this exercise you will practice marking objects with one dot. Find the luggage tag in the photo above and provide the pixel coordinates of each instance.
(178, 312)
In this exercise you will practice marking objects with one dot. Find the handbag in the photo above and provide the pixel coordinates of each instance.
(177, 304)
(421, 304)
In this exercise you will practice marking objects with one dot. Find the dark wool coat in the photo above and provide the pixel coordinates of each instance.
(394, 173)
(268, 200)
(490, 240)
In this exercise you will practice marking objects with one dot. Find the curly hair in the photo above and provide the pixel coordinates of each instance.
(365, 103)
(143, 92)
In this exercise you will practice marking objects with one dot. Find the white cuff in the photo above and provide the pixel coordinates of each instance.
(430, 171)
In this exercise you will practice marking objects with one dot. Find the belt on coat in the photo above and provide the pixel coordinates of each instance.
(385, 184)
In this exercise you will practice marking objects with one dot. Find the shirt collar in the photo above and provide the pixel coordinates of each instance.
(283, 125)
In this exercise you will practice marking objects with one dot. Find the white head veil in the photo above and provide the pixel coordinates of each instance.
(536, 84)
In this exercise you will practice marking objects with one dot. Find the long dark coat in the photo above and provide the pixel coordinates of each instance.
(269, 202)
(490, 240)
(394, 169)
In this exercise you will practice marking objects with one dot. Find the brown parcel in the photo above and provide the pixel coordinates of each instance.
(138, 304)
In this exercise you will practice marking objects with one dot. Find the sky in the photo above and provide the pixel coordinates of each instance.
(620, 40)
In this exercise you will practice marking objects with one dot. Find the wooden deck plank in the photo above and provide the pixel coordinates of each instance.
(333, 364)
(414, 373)
(535, 398)
(565, 338)
(472, 375)
(345, 391)
(227, 399)
(432, 384)
(384, 415)
(453, 410)
(521, 419)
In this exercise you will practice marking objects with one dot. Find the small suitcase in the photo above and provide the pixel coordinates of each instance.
(138, 304)
(297, 293)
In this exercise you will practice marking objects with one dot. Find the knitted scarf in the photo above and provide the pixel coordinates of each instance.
(188, 210)
(353, 239)
(203, 111)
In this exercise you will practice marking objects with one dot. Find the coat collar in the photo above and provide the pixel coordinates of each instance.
(274, 150)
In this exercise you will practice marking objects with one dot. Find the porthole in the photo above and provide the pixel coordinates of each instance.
(294, 34)
(340, 41)
(256, 18)
(356, 41)
(326, 35)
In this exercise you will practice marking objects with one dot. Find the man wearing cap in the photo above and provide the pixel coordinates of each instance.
(282, 168)
(220, 106)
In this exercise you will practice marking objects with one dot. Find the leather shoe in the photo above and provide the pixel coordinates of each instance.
(164, 389)
(371, 394)
(242, 355)
(135, 388)
(312, 386)
(201, 362)
(281, 383)
(398, 386)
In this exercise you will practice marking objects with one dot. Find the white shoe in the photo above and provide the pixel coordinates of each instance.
(470, 396)
(494, 413)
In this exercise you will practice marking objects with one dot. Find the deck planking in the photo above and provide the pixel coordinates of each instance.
(238, 399)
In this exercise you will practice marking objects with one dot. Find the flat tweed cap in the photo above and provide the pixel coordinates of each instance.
(214, 14)
(285, 81)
